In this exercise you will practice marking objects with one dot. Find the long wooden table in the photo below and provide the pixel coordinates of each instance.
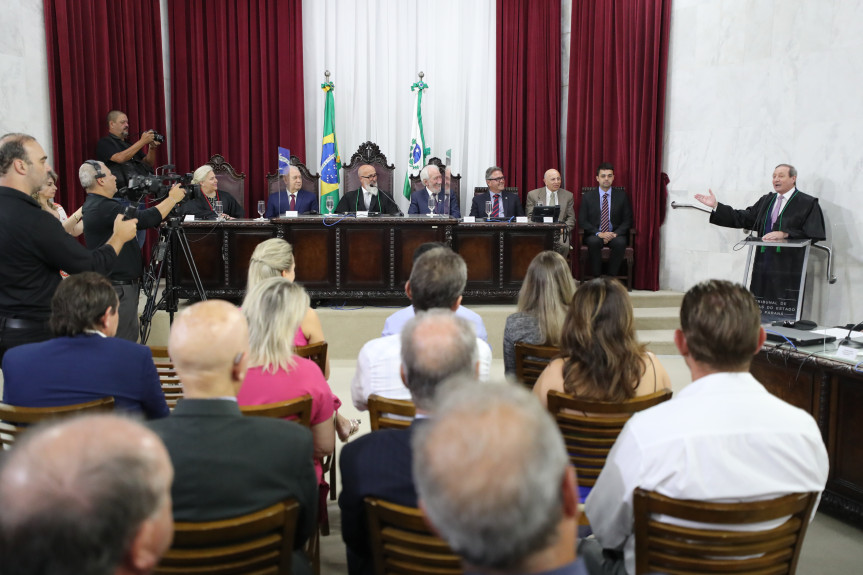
(360, 259)
(832, 391)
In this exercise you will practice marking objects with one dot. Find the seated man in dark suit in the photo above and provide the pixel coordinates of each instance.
(379, 464)
(368, 198)
(504, 204)
(292, 198)
(605, 217)
(226, 464)
(84, 361)
(446, 203)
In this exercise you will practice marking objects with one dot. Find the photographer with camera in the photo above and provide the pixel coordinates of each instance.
(122, 158)
(100, 210)
(205, 196)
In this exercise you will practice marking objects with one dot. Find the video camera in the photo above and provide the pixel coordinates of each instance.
(158, 185)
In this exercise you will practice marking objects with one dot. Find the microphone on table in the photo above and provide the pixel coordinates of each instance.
(374, 191)
(847, 339)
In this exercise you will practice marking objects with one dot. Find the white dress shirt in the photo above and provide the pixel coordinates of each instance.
(723, 438)
(379, 370)
(550, 197)
(397, 321)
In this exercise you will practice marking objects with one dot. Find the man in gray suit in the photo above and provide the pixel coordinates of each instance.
(553, 195)
(226, 464)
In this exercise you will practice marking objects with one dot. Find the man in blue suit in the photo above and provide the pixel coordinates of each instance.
(84, 361)
(379, 464)
(447, 203)
(504, 204)
(293, 198)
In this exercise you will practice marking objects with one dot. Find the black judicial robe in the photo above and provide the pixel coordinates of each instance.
(776, 271)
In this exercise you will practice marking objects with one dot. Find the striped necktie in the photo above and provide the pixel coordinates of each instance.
(495, 208)
(606, 220)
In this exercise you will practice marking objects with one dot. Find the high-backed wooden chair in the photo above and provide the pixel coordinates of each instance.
(260, 542)
(531, 359)
(230, 180)
(168, 378)
(484, 190)
(403, 544)
(317, 352)
(662, 547)
(369, 153)
(584, 273)
(311, 182)
(298, 409)
(14, 420)
(381, 411)
(589, 438)
(455, 181)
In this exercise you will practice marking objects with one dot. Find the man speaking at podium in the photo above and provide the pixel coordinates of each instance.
(786, 214)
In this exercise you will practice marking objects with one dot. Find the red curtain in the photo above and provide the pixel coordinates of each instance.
(616, 109)
(102, 55)
(237, 85)
(528, 91)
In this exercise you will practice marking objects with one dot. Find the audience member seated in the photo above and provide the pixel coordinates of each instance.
(84, 361)
(275, 258)
(723, 438)
(292, 198)
(203, 203)
(226, 464)
(87, 495)
(397, 320)
(379, 464)
(437, 281)
(542, 303)
(274, 309)
(45, 197)
(493, 478)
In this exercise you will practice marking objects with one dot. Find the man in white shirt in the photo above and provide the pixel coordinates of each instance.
(553, 195)
(396, 321)
(723, 438)
(437, 281)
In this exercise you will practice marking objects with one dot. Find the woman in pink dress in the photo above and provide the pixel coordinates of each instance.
(275, 258)
(274, 309)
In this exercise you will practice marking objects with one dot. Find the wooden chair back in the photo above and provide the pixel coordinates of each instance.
(230, 180)
(381, 411)
(590, 433)
(403, 544)
(584, 273)
(311, 182)
(317, 352)
(298, 409)
(531, 359)
(168, 378)
(260, 542)
(662, 547)
(14, 420)
(484, 190)
(369, 153)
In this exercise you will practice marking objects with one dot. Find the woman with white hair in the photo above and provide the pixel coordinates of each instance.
(203, 204)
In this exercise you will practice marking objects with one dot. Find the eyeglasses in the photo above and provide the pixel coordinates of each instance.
(500, 179)
(373, 176)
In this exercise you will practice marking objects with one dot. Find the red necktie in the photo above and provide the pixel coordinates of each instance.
(293, 202)
(495, 209)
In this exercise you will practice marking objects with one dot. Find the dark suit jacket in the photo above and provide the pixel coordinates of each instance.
(590, 212)
(376, 465)
(354, 201)
(511, 205)
(801, 216)
(226, 464)
(420, 203)
(199, 207)
(86, 367)
(280, 202)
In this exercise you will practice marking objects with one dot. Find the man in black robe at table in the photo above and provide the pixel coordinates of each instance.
(786, 214)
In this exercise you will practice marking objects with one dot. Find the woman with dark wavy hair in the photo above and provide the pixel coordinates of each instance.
(601, 357)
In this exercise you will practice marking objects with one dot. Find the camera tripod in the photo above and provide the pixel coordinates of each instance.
(152, 276)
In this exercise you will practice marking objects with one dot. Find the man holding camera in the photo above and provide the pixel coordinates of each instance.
(122, 158)
(100, 210)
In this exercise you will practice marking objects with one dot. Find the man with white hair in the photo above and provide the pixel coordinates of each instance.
(494, 480)
(292, 198)
(445, 202)
(100, 210)
(88, 495)
(379, 464)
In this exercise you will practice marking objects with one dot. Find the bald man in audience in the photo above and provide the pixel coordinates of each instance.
(723, 438)
(227, 464)
(553, 195)
(88, 495)
(494, 480)
(437, 282)
(379, 464)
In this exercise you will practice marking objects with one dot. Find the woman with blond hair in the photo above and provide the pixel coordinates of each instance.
(45, 197)
(275, 258)
(542, 304)
(203, 203)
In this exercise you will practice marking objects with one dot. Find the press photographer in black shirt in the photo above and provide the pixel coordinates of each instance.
(100, 209)
(122, 158)
(35, 247)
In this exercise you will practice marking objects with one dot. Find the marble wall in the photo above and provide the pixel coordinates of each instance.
(24, 102)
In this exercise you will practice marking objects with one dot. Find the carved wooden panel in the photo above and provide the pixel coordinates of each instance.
(206, 248)
(798, 390)
(848, 459)
(522, 247)
(314, 254)
(364, 262)
(479, 249)
(241, 244)
(408, 239)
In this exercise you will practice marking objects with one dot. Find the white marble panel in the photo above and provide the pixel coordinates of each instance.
(565, 17)
(758, 29)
